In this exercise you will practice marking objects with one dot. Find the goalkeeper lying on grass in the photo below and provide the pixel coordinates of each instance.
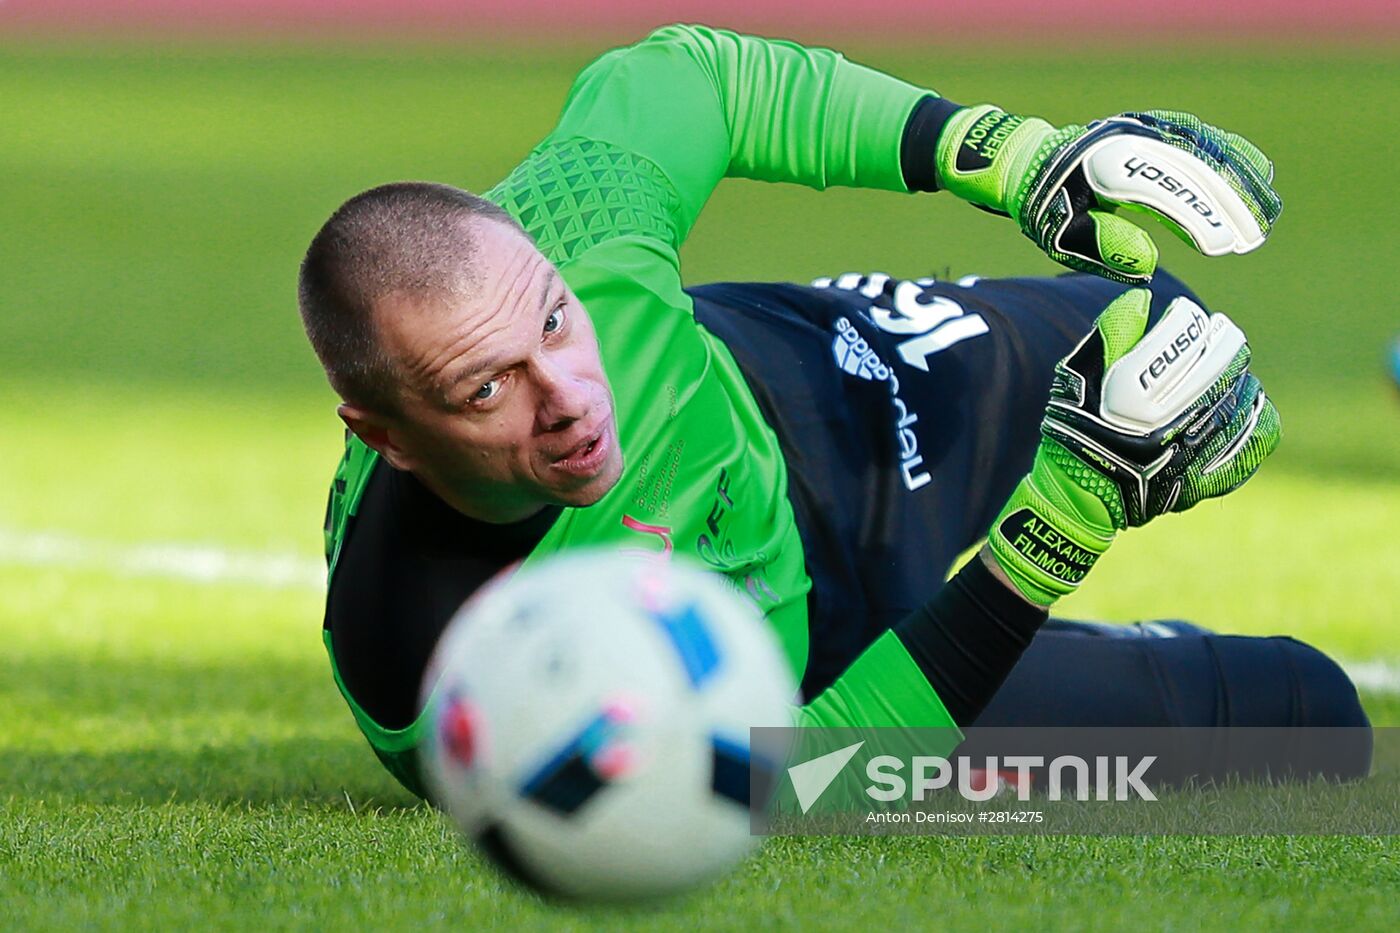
(523, 372)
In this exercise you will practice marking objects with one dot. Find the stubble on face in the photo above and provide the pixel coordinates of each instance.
(547, 432)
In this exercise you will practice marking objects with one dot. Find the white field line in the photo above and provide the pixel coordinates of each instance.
(209, 564)
(1374, 676)
(191, 563)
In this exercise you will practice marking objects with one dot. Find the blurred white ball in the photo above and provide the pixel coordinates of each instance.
(588, 723)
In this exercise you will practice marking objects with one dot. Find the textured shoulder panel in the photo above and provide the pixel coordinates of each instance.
(573, 194)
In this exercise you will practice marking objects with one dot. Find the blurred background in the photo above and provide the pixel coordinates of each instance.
(168, 436)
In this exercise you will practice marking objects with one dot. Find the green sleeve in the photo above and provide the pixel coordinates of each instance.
(701, 104)
(882, 688)
(884, 703)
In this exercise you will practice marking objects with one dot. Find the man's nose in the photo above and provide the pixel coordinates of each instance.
(564, 398)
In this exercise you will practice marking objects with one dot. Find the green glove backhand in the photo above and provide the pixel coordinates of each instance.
(1210, 187)
(1138, 425)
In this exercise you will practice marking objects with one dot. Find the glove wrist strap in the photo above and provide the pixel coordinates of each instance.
(977, 148)
(1043, 539)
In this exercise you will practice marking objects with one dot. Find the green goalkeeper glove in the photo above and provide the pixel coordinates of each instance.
(1138, 425)
(1210, 187)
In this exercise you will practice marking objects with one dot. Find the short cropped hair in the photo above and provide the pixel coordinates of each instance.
(408, 238)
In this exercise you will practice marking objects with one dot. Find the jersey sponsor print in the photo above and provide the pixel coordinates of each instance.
(929, 323)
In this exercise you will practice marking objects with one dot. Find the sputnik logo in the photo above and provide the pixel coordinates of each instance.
(811, 778)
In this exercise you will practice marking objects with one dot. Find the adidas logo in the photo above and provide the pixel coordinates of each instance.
(855, 355)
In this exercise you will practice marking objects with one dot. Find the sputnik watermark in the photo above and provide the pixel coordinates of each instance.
(1075, 780)
(1102, 778)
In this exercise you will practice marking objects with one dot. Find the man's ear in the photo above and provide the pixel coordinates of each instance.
(378, 433)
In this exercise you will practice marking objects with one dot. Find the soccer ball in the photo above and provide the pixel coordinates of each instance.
(588, 723)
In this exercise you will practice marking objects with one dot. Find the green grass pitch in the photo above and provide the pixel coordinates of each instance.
(174, 752)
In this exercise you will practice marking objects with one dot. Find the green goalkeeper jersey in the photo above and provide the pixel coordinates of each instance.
(646, 134)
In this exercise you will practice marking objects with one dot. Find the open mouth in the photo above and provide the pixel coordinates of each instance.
(588, 456)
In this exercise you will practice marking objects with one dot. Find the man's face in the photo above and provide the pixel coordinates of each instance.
(505, 407)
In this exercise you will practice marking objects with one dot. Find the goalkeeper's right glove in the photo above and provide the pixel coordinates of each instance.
(1137, 425)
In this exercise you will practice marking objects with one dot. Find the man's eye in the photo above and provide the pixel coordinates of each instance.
(487, 391)
(555, 320)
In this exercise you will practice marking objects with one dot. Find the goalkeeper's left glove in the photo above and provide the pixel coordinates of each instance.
(1138, 425)
(1210, 187)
